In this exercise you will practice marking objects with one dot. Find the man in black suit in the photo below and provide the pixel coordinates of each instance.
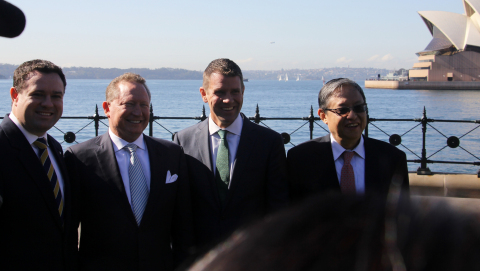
(36, 228)
(345, 160)
(134, 195)
(238, 178)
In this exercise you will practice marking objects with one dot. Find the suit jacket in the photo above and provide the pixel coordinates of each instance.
(311, 167)
(258, 185)
(32, 236)
(110, 237)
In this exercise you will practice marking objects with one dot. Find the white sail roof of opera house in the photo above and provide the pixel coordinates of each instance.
(448, 28)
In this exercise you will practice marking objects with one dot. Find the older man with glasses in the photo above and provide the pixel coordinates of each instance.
(345, 160)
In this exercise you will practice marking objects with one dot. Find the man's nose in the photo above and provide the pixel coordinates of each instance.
(137, 110)
(351, 114)
(47, 101)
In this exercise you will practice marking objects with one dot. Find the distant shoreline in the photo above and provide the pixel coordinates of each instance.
(6, 71)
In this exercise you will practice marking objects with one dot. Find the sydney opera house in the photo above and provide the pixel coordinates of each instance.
(454, 52)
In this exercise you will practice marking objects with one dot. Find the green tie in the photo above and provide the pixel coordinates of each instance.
(222, 175)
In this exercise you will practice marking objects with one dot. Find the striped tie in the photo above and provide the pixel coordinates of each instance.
(138, 183)
(41, 143)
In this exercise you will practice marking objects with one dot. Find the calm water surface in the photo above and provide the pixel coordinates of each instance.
(293, 99)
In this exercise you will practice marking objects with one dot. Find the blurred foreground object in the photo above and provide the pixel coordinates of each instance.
(12, 20)
(334, 232)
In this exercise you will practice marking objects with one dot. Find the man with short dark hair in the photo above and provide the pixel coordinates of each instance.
(236, 167)
(36, 227)
(134, 195)
(345, 161)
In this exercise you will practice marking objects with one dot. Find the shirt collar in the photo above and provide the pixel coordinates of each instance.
(338, 150)
(119, 143)
(234, 128)
(29, 136)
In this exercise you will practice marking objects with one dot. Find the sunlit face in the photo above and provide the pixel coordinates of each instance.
(129, 113)
(225, 98)
(346, 130)
(39, 104)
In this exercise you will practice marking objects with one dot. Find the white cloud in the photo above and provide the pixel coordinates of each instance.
(343, 60)
(387, 57)
(373, 58)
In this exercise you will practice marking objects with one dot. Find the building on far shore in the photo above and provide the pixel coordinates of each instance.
(451, 60)
(454, 52)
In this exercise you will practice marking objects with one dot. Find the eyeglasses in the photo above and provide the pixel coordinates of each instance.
(344, 111)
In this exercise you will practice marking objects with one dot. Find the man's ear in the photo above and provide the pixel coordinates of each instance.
(106, 108)
(322, 115)
(203, 92)
(13, 94)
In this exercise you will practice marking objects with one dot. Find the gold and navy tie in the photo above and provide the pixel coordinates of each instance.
(52, 176)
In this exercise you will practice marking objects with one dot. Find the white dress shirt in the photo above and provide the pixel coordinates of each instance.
(123, 160)
(357, 162)
(233, 138)
(32, 138)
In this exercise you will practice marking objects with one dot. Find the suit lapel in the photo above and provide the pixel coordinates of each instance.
(111, 174)
(32, 165)
(326, 170)
(245, 146)
(202, 136)
(57, 152)
(159, 164)
(372, 170)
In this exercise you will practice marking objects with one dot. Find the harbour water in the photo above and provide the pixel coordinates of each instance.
(181, 98)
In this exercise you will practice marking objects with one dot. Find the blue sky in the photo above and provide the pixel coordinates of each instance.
(308, 34)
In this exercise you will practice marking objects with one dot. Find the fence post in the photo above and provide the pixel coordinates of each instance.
(311, 120)
(203, 117)
(150, 125)
(96, 119)
(257, 115)
(423, 169)
(366, 127)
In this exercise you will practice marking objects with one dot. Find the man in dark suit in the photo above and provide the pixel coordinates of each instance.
(345, 160)
(134, 195)
(236, 167)
(36, 229)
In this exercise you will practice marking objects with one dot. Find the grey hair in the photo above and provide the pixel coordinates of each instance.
(329, 88)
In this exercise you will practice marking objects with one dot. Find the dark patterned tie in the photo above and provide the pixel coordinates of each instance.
(347, 178)
(41, 143)
(222, 175)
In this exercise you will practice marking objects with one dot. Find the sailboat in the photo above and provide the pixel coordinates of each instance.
(280, 78)
(286, 77)
(298, 77)
(323, 81)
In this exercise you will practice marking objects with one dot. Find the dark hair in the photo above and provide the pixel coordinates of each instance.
(330, 232)
(25, 71)
(336, 232)
(329, 88)
(112, 89)
(222, 66)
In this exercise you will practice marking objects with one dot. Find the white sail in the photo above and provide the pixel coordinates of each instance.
(286, 77)
(280, 78)
(298, 77)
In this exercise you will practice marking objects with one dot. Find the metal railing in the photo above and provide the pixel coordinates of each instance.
(394, 139)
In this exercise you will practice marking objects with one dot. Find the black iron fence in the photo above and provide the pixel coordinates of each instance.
(452, 142)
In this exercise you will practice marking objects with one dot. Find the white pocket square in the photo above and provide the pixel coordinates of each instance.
(170, 178)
